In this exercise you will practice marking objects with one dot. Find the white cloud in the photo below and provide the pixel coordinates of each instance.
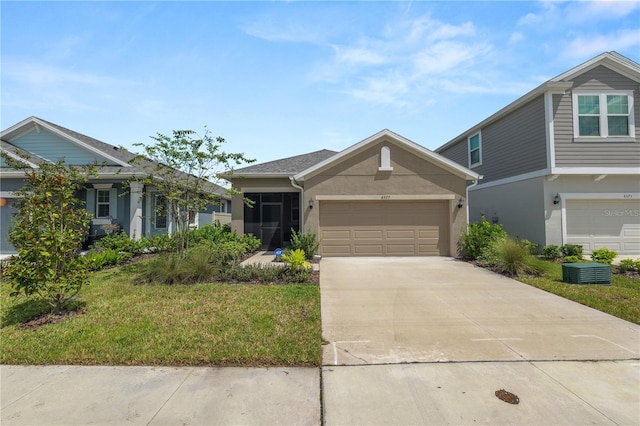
(591, 45)
(358, 56)
(515, 38)
(583, 11)
(45, 75)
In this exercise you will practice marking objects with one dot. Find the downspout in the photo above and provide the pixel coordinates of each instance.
(295, 185)
(475, 182)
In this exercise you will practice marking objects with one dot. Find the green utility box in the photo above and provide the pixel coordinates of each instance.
(586, 273)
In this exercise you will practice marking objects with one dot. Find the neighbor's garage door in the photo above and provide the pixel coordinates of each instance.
(384, 228)
(614, 224)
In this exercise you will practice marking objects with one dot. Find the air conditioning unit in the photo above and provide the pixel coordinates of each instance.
(586, 273)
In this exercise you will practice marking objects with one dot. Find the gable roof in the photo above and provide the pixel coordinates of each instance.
(122, 157)
(401, 141)
(283, 167)
(559, 84)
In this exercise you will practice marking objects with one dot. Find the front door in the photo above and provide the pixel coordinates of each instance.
(271, 225)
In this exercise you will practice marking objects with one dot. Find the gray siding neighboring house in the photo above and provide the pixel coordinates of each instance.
(105, 196)
(562, 163)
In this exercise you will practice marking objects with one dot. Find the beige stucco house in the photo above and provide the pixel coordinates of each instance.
(383, 196)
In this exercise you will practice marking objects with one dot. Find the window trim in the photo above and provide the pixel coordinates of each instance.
(603, 116)
(479, 162)
(99, 203)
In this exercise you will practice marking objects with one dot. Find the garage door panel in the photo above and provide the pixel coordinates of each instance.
(371, 228)
(612, 224)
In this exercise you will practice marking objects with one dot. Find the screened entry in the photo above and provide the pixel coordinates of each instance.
(271, 217)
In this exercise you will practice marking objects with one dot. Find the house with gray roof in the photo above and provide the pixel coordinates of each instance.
(561, 164)
(382, 196)
(133, 209)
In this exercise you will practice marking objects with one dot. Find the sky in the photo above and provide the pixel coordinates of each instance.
(277, 79)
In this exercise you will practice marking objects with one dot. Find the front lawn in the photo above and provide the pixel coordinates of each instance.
(621, 298)
(202, 324)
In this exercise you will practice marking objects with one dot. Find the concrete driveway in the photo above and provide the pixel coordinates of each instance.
(430, 340)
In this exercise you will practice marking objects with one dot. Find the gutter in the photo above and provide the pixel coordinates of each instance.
(295, 185)
(475, 182)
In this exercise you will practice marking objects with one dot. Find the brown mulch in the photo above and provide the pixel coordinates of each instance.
(50, 318)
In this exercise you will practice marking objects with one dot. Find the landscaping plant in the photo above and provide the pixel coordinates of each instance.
(48, 231)
(629, 265)
(296, 259)
(478, 237)
(552, 252)
(307, 242)
(604, 255)
(510, 256)
(572, 250)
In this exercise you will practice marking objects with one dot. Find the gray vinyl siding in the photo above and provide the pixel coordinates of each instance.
(597, 154)
(53, 148)
(511, 146)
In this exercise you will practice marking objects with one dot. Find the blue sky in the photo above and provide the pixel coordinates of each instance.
(277, 79)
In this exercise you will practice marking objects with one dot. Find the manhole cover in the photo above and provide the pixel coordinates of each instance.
(507, 396)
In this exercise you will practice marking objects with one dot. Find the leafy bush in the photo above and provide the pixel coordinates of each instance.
(627, 265)
(159, 243)
(296, 259)
(212, 233)
(120, 242)
(251, 242)
(572, 250)
(603, 255)
(478, 237)
(572, 259)
(265, 274)
(509, 256)
(307, 242)
(552, 252)
(531, 246)
(98, 259)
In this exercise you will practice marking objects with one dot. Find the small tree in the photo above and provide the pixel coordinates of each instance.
(183, 168)
(47, 232)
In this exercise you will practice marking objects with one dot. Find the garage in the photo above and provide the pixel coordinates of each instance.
(613, 224)
(384, 228)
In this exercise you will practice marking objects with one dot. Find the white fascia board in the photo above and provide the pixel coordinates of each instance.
(424, 152)
(549, 86)
(595, 171)
(622, 66)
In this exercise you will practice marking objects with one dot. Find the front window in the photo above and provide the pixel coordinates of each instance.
(475, 150)
(161, 212)
(603, 115)
(103, 203)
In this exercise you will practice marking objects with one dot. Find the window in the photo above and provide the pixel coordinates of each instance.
(161, 212)
(103, 203)
(475, 150)
(603, 115)
(385, 160)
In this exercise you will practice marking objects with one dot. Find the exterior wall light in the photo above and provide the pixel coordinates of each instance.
(460, 203)
(556, 199)
(310, 203)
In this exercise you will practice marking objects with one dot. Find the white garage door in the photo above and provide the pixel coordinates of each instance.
(384, 228)
(614, 224)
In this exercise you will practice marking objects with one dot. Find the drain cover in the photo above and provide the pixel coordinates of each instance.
(507, 396)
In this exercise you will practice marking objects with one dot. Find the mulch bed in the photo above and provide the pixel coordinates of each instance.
(50, 318)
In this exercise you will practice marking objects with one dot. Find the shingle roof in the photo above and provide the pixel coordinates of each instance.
(286, 166)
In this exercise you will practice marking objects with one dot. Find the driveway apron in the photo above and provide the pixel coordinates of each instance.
(431, 340)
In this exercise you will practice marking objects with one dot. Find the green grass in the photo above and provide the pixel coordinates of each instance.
(621, 298)
(202, 324)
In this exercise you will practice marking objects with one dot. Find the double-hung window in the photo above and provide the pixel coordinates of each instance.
(598, 116)
(103, 203)
(475, 150)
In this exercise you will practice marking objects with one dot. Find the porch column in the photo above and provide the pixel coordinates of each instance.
(135, 210)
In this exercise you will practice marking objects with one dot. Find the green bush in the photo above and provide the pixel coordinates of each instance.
(603, 255)
(120, 242)
(265, 274)
(572, 250)
(98, 259)
(307, 242)
(511, 257)
(478, 237)
(531, 246)
(627, 265)
(572, 259)
(213, 233)
(159, 243)
(296, 259)
(552, 252)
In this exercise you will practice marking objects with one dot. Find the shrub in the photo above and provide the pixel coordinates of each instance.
(572, 259)
(531, 246)
(159, 243)
(265, 274)
(227, 252)
(251, 242)
(603, 255)
(120, 242)
(511, 257)
(296, 259)
(478, 237)
(627, 265)
(552, 252)
(213, 233)
(98, 259)
(572, 250)
(307, 242)
(198, 263)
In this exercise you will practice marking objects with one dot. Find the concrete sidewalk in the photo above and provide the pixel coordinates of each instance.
(80, 395)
